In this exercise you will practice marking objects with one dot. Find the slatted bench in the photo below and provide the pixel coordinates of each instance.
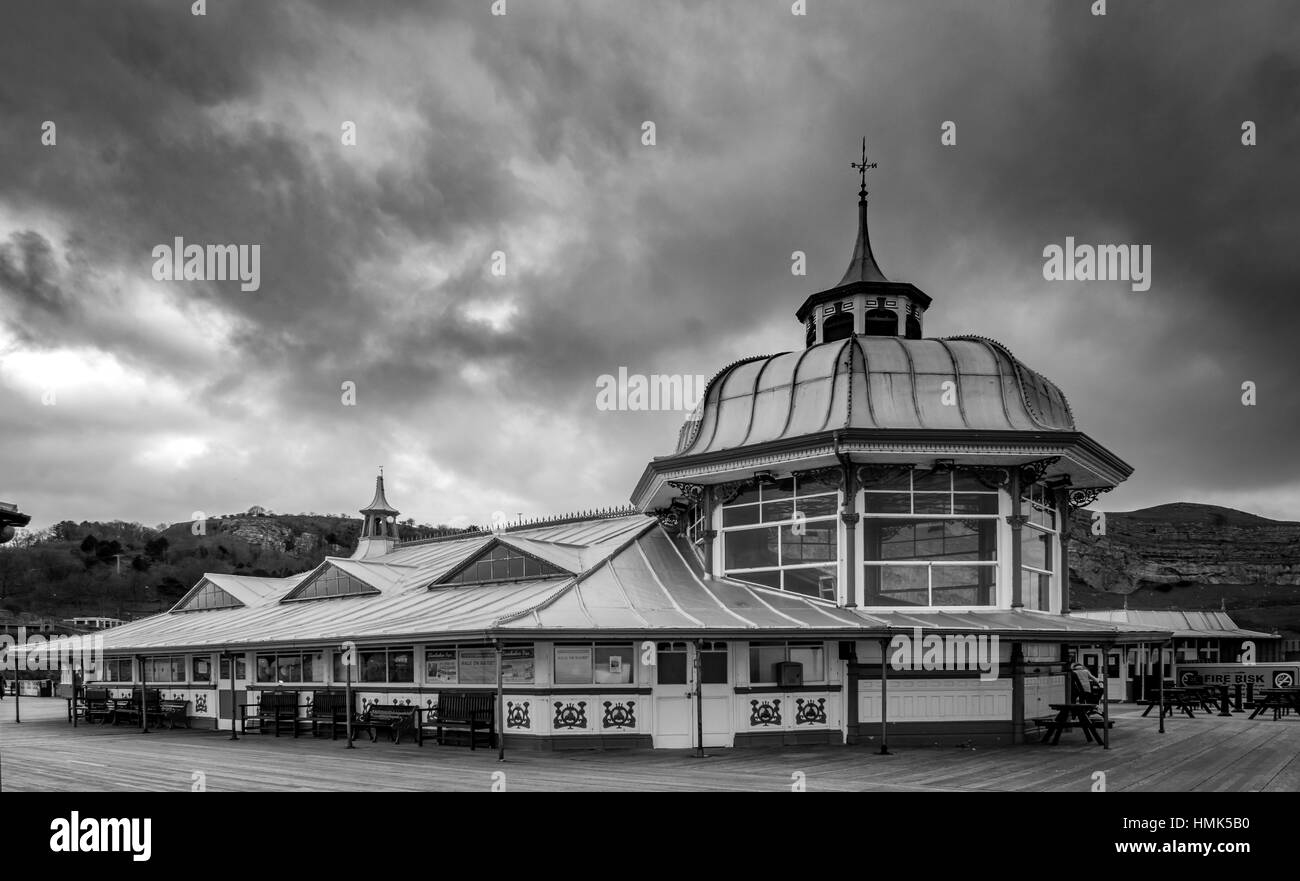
(277, 709)
(128, 709)
(173, 712)
(469, 713)
(327, 709)
(396, 718)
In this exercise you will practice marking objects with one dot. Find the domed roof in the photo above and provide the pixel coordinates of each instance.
(874, 383)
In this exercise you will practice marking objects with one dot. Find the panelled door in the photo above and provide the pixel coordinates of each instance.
(226, 708)
(676, 668)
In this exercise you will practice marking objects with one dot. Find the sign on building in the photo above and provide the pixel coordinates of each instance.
(1257, 675)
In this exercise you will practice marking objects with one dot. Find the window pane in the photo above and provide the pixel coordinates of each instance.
(965, 482)
(974, 503)
(781, 489)
(815, 582)
(898, 480)
(289, 668)
(224, 668)
(614, 664)
(763, 660)
(374, 666)
(818, 506)
(745, 496)
(888, 503)
(932, 503)
(671, 668)
(266, 668)
(713, 666)
(740, 516)
(776, 511)
(896, 586)
(808, 486)
(515, 567)
(930, 539)
(963, 585)
(572, 665)
(202, 669)
(767, 579)
(931, 481)
(819, 542)
(401, 665)
(1035, 548)
(751, 548)
(813, 659)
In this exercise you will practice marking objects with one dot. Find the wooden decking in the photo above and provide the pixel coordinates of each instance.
(1207, 753)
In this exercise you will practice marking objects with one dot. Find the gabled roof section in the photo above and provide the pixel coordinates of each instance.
(329, 581)
(206, 596)
(501, 561)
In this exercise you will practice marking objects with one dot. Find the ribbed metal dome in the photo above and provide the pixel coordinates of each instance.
(874, 383)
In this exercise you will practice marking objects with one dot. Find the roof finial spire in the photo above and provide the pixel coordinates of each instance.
(862, 170)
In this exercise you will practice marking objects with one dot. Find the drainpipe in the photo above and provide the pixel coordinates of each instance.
(1017, 694)
(849, 515)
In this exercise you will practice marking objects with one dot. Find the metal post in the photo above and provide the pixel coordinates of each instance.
(74, 699)
(1017, 521)
(347, 688)
(699, 701)
(850, 517)
(234, 710)
(1105, 699)
(1160, 674)
(884, 696)
(18, 665)
(501, 709)
(144, 709)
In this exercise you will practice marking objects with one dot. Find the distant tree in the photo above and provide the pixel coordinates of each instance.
(332, 539)
(157, 548)
(139, 563)
(88, 544)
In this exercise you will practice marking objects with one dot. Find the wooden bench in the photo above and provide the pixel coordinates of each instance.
(394, 717)
(128, 709)
(327, 709)
(172, 713)
(93, 705)
(471, 713)
(278, 709)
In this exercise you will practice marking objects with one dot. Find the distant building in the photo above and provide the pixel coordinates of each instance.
(95, 622)
(1199, 638)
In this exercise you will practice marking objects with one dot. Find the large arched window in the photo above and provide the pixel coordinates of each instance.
(882, 322)
(838, 327)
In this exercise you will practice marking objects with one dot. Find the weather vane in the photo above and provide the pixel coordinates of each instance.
(862, 169)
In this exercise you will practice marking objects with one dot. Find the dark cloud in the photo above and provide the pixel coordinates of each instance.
(522, 133)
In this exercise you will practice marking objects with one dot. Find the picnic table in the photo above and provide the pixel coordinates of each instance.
(1069, 716)
(1279, 700)
(1185, 700)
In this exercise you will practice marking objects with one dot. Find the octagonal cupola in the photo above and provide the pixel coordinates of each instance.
(864, 302)
(378, 526)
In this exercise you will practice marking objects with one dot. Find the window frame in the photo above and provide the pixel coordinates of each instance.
(793, 497)
(594, 646)
(995, 565)
(788, 643)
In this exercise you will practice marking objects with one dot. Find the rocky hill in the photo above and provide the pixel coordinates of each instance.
(1189, 556)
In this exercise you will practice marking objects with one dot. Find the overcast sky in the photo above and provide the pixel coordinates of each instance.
(523, 133)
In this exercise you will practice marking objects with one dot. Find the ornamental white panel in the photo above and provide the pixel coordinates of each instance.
(937, 700)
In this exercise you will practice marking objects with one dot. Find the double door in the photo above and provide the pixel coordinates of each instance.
(679, 666)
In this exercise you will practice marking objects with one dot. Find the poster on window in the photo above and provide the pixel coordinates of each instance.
(572, 664)
(517, 664)
(478, 666)
(440, 665)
